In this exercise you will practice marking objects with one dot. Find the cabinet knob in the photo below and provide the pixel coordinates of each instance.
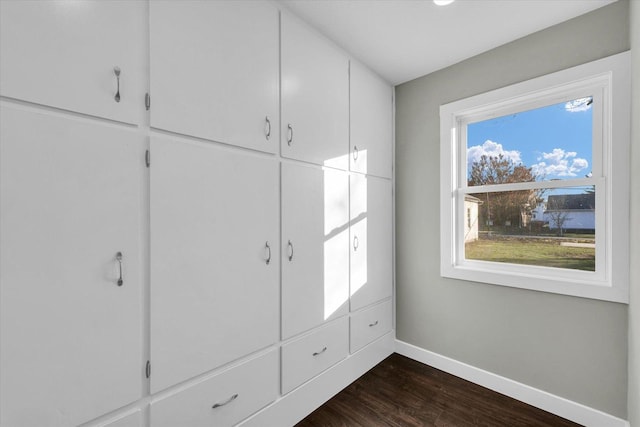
(226, 402)
(371, 325)
(289, 134)
(267, 127)
(355, 153)
(290, 250)
(116, 71)
(119, 259)
(356, 243)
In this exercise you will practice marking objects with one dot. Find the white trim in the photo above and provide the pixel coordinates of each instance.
(607, 79)
(557, 405)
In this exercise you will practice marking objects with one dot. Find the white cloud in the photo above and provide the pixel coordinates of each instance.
(580, 104)
(491, 149)
(560, 163)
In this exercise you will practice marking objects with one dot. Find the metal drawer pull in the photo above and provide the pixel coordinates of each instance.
(289, 134)
(267, 127)
(356, 243)
(268, 248)
(320, 352)
(290, 245)
(116, 71)
(119, 259)
(226, 402)
(355, 153)
(371, 325)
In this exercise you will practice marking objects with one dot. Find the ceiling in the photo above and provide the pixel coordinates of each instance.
(405, 39)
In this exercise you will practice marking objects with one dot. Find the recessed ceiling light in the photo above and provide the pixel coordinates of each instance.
(443, 2)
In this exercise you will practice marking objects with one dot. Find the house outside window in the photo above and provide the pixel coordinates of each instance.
(530, 196)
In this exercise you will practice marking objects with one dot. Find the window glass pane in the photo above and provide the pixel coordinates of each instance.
(548, 143)
(548, 227)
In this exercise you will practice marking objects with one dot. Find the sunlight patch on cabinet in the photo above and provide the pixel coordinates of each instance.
(359, 233)
(336, 232)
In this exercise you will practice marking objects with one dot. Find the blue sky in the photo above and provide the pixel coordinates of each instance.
(555, 140)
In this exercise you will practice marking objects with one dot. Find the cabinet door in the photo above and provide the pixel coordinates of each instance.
(214, 71)
(371, 240)
(224, 399)
(71, 199)
(370, 324)
(371, 122)
(315, 240)
(307, 356)
(315, 97)
(64, 53)
(214, 257)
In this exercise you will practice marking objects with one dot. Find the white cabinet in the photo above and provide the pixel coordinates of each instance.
(371, 118)
(306, 357)
(315, 96)
(371, 240)
(370, 324)
(315, 246)
(214, 71)
(64, 54)
(214, 257)
(70, 201)
(223, 399)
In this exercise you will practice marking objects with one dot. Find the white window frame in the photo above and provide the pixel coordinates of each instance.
(608, 81)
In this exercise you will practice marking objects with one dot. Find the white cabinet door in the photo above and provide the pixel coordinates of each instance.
(315, 240)
(71, 197)
(307, 356)
(224, 399)
(214, 257)
(315, 97)
(371, 122)
(64, 53)
(370, 324)
(371, 240)
(214, 71)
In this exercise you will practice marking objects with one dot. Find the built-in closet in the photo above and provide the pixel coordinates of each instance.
(196, 215)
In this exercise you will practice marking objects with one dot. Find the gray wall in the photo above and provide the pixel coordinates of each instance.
(572, 347)
(634, 306)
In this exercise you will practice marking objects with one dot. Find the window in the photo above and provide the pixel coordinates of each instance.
(535, 183)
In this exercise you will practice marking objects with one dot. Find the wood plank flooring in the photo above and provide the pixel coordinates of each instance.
(402, 392)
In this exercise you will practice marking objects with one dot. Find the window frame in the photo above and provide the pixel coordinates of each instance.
(608, 81)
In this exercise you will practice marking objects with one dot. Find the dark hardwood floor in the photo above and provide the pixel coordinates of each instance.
(402, 392)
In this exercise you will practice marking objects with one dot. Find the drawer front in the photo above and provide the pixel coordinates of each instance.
(308, 356)
(222, 400)
(370, 324)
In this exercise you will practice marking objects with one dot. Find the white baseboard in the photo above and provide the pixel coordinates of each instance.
(557, 405)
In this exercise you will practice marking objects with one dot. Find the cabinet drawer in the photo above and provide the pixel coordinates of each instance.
(370, 324)
(306, 357)
(223, 399)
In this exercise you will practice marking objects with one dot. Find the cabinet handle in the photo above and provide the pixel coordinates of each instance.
(290, 250)
(371, 325)
(289, 134)
(320, 352)
(116, 71)
(268, 248)
(267, 127)
(356, 243)
(355, 153)
(226, 402)
(119, 259)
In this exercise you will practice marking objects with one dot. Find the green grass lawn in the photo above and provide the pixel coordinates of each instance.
(543, 252)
